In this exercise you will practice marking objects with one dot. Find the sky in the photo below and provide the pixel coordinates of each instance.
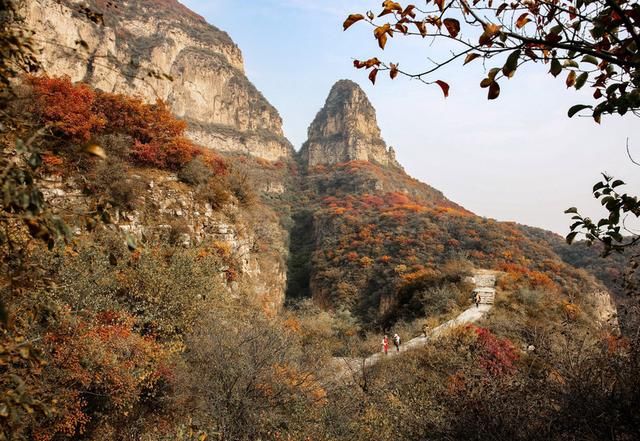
(518, 158)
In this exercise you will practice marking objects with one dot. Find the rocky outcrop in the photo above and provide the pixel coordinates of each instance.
(159, 49)
(253, 241)
(346, 130)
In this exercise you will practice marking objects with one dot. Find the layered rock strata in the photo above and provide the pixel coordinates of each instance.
(159, 49)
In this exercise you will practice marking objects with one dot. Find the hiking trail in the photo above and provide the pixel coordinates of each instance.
(485, 282)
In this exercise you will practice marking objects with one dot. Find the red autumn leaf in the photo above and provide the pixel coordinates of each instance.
(422, 27)
(408, 11)
(372, 62)
(444, 86)
(501, 8)
(470, 57)
(373, 75)
(571, 79)
(440, 4)
(402, 28)
(393, 71)
(453, 26)
(353, 18)
(381, 33)
(490, 31)
(522, 20)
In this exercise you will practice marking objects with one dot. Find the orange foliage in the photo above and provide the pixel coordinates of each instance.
(78, 112)
(292, 324)
(301, 382)
(397, 198)
(366, 261)
(616, 344)
(571, 310)
(215, 162)
(66, 107)
(98, 357)
(352, 256)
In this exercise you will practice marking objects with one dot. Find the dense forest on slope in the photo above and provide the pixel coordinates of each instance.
(385, 243)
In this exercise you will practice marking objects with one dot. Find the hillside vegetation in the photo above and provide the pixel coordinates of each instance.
(387, 247)
(159, 315)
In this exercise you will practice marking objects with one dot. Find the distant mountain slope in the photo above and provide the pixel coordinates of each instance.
(383, 241)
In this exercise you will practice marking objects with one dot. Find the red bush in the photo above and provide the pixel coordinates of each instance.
(496, 355)
(67, 107)
(98, 357)
(78, 112)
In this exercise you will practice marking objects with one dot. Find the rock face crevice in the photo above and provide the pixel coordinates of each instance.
(159, 49)
(346, 130)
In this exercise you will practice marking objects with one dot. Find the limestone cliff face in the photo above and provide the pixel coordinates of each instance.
(253, 240)
(346, 130)
(160, 49)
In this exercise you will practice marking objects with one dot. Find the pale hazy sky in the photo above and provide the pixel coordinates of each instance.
(518, 158)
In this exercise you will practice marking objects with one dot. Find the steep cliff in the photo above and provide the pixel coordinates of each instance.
(346, 130)
(159, 49)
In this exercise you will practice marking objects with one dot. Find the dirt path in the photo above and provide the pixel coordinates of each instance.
(485, 282)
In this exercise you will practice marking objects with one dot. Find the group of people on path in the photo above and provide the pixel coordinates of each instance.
(385, 343)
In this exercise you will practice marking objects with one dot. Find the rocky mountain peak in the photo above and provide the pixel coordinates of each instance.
(345, 130)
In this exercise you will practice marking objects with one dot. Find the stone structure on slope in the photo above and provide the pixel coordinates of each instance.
(346, 130)
(160, 49)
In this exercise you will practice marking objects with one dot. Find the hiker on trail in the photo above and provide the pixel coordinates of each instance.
(385, 344)
(425, 329)
(476, 298)
(396, 342)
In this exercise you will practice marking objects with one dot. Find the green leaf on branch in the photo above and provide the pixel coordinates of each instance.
(571, 237)
(556, 67)
(511, 64)
(577, 108)
(581, 80)
(590, 59)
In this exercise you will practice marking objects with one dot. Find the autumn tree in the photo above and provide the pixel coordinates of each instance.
(589, 42)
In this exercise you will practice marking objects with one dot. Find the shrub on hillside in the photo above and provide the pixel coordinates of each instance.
(179, 232)
(66, 107)
(195, 172)
(111, 178)
(99, 368)
(245, 380)
(242, 187)
(215, 192)
(79, 113)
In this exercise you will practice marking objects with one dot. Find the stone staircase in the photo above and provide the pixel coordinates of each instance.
(485, 282)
